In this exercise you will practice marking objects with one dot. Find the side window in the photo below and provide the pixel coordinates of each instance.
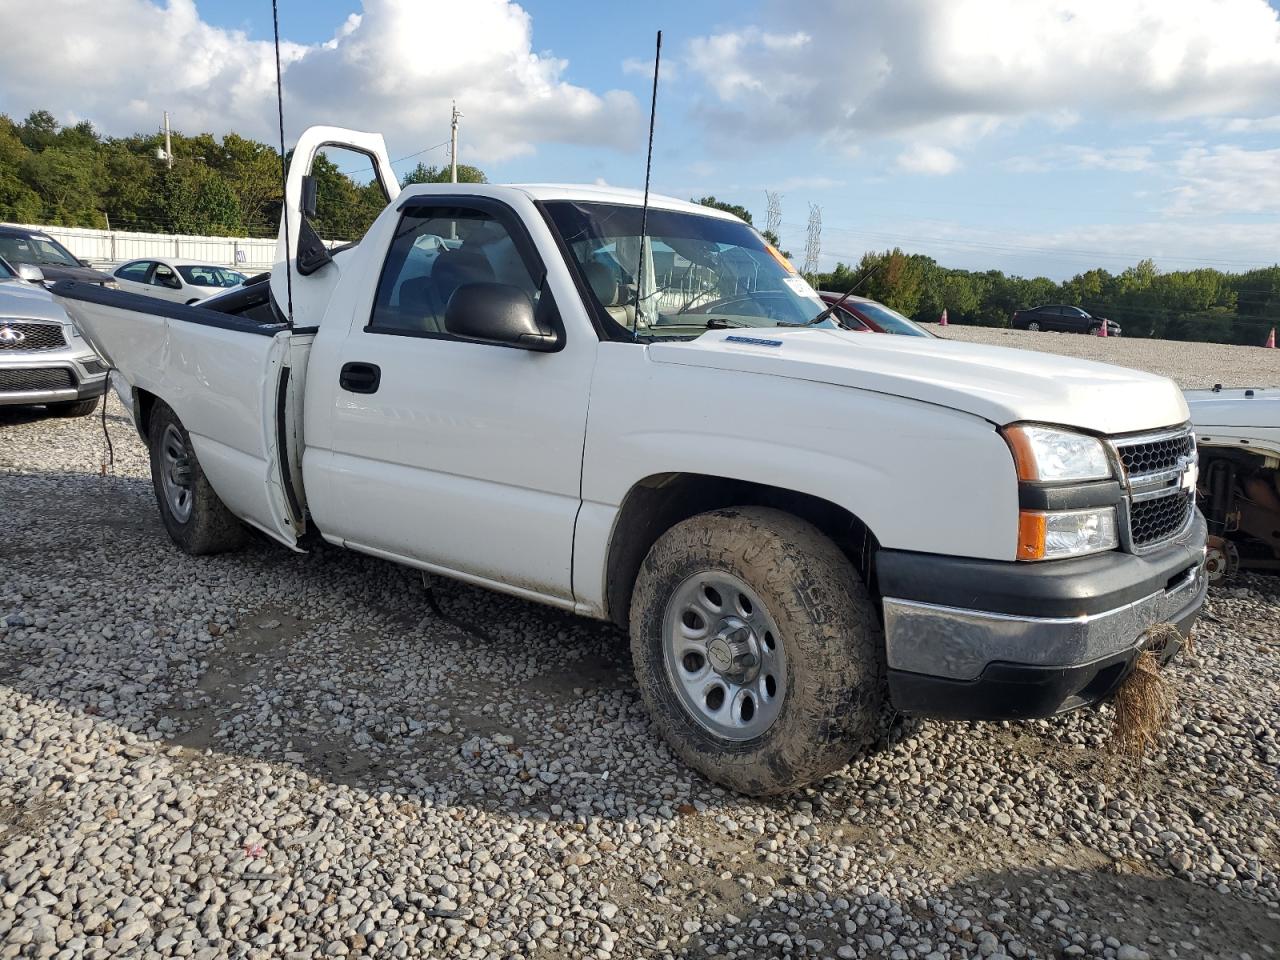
(134, 271)
(165, 277)
(434, 252)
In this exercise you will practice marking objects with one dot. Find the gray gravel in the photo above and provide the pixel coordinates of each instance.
(1192, 365)
(275, 755)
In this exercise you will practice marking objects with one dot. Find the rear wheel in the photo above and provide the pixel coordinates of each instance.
(195, 519)
(757, 650)
(73, 408)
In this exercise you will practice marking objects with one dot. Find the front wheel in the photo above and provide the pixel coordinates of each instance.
(757, 650)
(195, 519)
(1033, 325)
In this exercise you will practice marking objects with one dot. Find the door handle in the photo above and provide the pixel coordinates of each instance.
(360, 377)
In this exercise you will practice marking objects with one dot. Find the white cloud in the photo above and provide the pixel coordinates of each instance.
(394, 68)
(927, 158)
(914, 68)
(1126, 159)
(1227, 179)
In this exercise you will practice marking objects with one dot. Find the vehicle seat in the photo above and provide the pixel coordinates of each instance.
(604, 284)
(451, 270)
(417, 305)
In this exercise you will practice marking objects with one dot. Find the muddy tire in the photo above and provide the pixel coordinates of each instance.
(196, 520)
(758, 605)
(73, 408)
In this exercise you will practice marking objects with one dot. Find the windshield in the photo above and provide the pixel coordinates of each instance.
(887, 319)
(7, 272)
(694, 272)
(203, 276)
(41, 251)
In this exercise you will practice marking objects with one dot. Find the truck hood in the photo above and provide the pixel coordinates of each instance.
(999, 384)
(20, 300)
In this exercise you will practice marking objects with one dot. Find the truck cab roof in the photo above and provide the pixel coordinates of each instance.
(576, 193)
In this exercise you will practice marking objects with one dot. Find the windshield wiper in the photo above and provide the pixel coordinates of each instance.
(724, 323)
(830, 308)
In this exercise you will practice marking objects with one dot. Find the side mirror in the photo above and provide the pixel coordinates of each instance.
(497, 313)
(30, 272)
(309, 196)
(83, 262)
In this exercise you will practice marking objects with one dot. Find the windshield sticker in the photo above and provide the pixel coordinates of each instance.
(754, 341)
(799, 285)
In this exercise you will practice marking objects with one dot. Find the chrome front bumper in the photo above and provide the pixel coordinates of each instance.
(956, 644)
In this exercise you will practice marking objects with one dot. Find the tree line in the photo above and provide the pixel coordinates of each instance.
(1203, 304)
(74, 176)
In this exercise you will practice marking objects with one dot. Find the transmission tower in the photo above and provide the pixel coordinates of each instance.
(813, 245)
(773, 219)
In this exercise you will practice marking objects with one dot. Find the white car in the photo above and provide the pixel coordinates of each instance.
(181, 281)
(586, 402)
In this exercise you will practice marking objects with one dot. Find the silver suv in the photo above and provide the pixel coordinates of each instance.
(43, 360)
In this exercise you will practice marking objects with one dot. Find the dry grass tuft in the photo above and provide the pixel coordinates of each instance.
(1144, 702)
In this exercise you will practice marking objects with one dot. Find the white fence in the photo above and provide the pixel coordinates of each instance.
(112, 247)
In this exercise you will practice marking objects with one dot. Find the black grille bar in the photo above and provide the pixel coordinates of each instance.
(20, 381)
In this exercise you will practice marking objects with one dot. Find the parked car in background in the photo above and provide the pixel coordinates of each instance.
(1062, 317)
(1238, 441)
(25, 248)
(43, 360)
(860, 313)
(182, 281)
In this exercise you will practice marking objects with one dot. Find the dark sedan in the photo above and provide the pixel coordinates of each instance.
(20, 245)
(1065, 318)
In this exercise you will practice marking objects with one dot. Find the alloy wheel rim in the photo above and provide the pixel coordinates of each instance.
(724, 656)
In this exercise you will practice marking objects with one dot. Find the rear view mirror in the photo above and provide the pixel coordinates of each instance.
(309, 196)
(497, 313)
(30, 272)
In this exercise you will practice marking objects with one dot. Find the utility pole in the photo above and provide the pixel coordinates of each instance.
(168, 144)
(453, 144)
(813, 245)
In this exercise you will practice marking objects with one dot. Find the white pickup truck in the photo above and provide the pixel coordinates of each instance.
(807, 530)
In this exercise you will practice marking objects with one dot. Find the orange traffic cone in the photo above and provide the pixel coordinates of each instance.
(1102, 330)
(942, 320)
(1271, 338)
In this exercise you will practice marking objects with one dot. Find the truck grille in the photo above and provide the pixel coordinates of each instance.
(1152, 456)
(1155, 471)
(22, 335)
(17, 381)
(1153, 521)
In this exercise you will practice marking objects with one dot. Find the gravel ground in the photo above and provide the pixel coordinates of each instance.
(269, 754)
(1192, 365)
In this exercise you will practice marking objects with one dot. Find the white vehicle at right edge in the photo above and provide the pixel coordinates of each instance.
(805, 529)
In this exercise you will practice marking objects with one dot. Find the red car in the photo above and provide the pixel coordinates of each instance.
(859, 313)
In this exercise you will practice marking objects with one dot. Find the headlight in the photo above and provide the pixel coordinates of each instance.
(1048, 455)
(1044, 535)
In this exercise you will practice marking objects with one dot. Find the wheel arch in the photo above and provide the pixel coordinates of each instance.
(144, 405)
(658, 502)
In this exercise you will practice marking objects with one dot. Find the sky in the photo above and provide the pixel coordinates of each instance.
(1041, 137)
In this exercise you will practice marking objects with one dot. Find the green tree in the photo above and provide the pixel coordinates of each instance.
(737, 210)
(425, 174)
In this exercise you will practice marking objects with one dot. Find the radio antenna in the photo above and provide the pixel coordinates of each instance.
(648, 166)
(284, 166)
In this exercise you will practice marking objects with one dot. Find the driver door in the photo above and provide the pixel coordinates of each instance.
(457, 456)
